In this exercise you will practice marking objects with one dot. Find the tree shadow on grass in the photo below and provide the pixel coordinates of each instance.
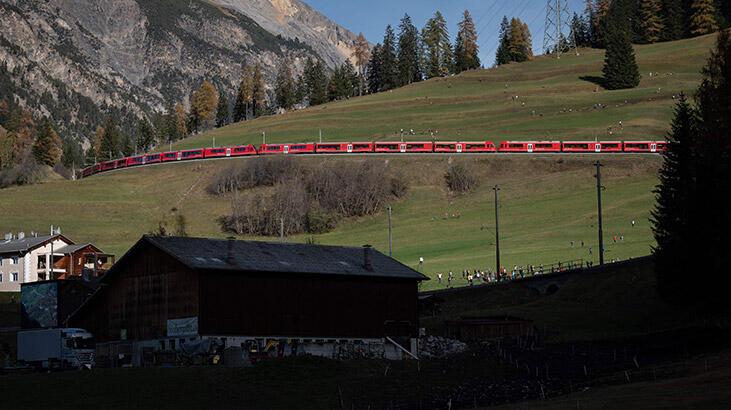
(600, 81)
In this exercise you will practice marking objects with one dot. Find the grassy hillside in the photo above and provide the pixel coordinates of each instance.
(556, 99)
(546, 202)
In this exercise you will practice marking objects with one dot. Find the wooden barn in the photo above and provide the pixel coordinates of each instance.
(167, 291)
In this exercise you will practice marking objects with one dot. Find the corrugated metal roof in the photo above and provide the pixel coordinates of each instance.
(256, 256)
(28, 243)
(73, 248)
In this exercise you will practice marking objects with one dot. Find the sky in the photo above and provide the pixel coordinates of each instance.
(371, 17)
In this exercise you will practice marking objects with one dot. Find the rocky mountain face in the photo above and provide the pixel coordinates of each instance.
(80, 60)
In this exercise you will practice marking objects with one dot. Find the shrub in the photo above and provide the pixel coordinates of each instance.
(460, 178)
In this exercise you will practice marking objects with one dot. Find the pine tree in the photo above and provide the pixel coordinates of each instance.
(47, 148)
(599, 24)
(651, 21)
(259, 93)
(126, 146)
(285, 88)
(502, 55)
(110, 141)
(703, 17)
(361, 53)
(437, 47)
(466, 50)
(343, 82)
(244, 95)
(374, 70)
(409, 69)
(316, 81)
(620, 67)
(673, 20)
(389, 62)
(145, 135)
(73, 154)
(674, 195)
(223, 115)
(580, 30)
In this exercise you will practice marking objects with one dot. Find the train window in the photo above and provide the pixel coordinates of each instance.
(515, 145)
(218, 151)
(543, 145)
(298, 147)
(191, 154)
(361, 146)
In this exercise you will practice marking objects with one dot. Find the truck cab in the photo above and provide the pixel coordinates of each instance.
(56, 348)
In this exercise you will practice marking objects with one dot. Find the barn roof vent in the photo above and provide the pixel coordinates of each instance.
(367, 258)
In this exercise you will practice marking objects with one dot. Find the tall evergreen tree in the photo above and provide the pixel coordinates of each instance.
(703, 17)
(145, 135)
(285, 88)
(316, 81)
(47, 148)
(389, 62)
(672, 215)
(620, 67)
(466, 50)
(673, 20)
(73, 154)
(223, 114)
(110, 140)
(375, 83)
(437, 47)
(259, 93)
(502, 55)
(580, 29)
(599, 23)
(244, 95)
(651, 21)
(343, 82)
(409, 69)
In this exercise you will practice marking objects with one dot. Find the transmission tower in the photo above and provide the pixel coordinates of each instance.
(558, 22)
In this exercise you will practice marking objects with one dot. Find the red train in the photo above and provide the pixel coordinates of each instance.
(383, 147)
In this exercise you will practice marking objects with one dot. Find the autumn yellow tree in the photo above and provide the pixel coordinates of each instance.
(703, 18)
(97, 142)
(181, 119)
(361, 54)
(203, 106)
(47, 147)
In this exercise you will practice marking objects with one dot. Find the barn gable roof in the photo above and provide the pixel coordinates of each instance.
(256, 256)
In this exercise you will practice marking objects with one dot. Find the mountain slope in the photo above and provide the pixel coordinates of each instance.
(79, 59)
(556, 99)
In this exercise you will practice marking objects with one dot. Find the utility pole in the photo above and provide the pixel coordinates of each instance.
(214, 142)
(321, 135)
(496, 188)
(599, 188)
(390, 237)
(264, 137)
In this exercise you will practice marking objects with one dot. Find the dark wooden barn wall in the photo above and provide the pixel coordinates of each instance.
(148, 290)
(279, 304)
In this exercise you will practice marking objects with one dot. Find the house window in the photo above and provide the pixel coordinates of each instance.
(15, 260)
(14, 277)
(1, 261)
(1, 278)
(41, 276)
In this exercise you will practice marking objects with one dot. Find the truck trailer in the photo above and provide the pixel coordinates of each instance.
(61, 348)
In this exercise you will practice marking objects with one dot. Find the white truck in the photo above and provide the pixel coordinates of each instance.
(56, 348)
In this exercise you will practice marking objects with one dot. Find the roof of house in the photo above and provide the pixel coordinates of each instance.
(255, 256)
(74, 248)
(28, 243)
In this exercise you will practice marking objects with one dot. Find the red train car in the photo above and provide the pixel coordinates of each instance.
(191, 154)
(133, 161)
(343, 147)
(243, 150)
(88, 171)
(464, 146)
(644, 146)
(661, 146)
(170, 156)
(530, 146)
(581, 146)
(153, 158)
(216, 152)
(304, 148)
(108, 165)
(404, 147)
(120, 163)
